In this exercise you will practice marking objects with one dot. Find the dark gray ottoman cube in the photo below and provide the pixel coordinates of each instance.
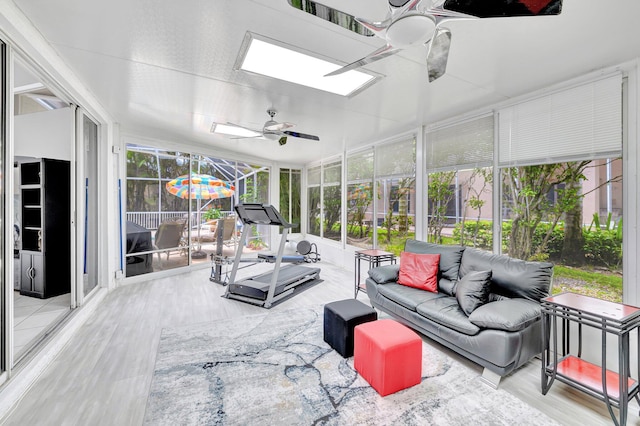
(340, 318)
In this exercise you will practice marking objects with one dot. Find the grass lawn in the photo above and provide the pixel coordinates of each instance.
(596, 283)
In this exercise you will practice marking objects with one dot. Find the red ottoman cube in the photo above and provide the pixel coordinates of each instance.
(388, 355)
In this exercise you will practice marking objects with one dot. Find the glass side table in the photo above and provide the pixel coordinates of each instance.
(615, 389)
(375, 258)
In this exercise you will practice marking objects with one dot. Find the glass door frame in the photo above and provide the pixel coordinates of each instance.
(6, 210)
(79, 231)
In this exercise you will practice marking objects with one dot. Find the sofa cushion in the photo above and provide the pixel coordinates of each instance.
(472, 290)
(384, 274)
(447, 312)
(510, 277)
(449, 261)
(508, 315)
(408, 297)
(419, 270)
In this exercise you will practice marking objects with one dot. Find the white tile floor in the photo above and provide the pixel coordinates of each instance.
(33, 317)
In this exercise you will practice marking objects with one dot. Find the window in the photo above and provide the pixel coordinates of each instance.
(561, 174)
(332, 200)
(156, 219)
(313, 200)
(324, 200)
(360, 199)
(459, 183)
(395, 178)
(459, 209)
(171, 221)
(253, 187)
(579, 228)
(290, 186)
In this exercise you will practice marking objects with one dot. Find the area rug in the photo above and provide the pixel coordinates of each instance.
(275, 369)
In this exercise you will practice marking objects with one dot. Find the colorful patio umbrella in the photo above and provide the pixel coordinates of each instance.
(199, 187)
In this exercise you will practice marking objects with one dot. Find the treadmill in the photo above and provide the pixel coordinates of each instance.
(269, 287)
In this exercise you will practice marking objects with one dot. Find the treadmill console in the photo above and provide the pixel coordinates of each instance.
(260, 214)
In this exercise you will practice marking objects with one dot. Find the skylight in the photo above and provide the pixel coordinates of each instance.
(276, 61)
(233, 130)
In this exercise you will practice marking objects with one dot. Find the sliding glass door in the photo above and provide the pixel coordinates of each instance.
(6, 264)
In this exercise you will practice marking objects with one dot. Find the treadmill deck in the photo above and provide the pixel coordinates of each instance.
(258, 287)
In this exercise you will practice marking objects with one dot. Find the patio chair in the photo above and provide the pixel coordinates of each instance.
(229, 233)
(169, 236)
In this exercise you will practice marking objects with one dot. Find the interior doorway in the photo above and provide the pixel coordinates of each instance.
(43, 138)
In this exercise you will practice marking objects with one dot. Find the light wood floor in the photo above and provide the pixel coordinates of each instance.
(103, 376)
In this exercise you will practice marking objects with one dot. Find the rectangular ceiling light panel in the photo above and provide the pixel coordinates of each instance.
(276, 61)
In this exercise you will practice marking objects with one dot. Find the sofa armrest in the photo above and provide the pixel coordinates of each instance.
(384, 274)
(508, 314)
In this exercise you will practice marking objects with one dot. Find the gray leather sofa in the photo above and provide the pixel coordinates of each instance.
(501, 334)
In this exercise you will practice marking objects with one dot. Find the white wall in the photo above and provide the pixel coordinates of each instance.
(46, 134)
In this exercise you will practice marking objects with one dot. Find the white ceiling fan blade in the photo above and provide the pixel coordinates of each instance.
(301, 135)
(243, 127)
(383, 52)
(249, 137)
(231, 129)
(438, 54)
(279, 126)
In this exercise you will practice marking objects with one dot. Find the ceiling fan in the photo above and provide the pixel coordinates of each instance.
(274, 130)
(412, 22)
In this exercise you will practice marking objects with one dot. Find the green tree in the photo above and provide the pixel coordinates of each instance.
(440, 194)
(359, 200)
(527, 188)
(405, 186)
(142, 195)
(331, 210)
(573, 248)
(398, 193)
(472, 197)
(314, 210)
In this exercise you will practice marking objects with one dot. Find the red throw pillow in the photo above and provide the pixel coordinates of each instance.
(419, 270)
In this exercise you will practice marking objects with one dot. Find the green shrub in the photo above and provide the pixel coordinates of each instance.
(603, 247)
(554, 244)
(212, 214)
(484, 239)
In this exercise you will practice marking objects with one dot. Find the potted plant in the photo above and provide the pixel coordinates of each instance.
(212, 215)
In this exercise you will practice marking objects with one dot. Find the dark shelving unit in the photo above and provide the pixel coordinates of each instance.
(45, 260)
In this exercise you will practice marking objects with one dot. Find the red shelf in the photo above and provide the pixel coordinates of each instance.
(590, 375)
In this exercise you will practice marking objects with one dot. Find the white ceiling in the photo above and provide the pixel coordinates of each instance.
(164, 68)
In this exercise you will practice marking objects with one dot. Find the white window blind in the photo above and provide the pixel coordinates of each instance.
(581, 122)
(460, 146)
(332, 173)
(313, 176)
(396, 159)
(360, 167)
